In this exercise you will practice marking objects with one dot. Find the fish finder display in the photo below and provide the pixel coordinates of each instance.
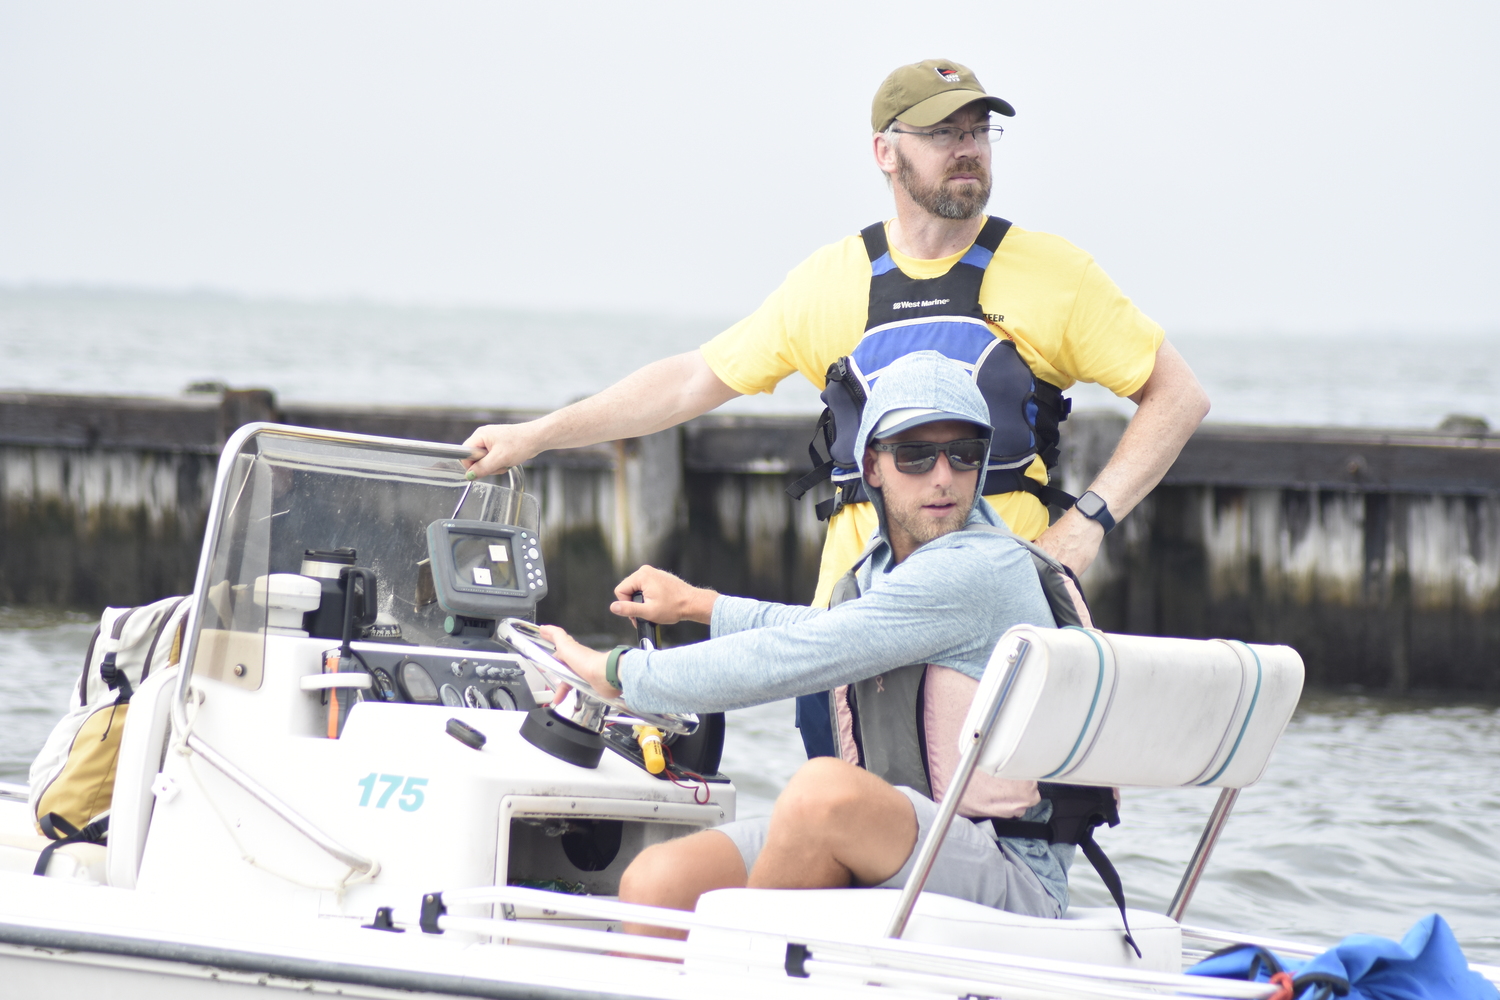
(484, 562)
(485, 570)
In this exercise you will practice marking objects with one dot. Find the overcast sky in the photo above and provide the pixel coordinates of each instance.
(1296, 167)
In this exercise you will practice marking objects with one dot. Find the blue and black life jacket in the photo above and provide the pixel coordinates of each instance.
(940, 314)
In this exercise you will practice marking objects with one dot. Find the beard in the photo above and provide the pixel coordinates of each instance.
(905, 515)
(961, 203)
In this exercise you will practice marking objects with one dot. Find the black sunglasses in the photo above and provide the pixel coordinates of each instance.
(917, 457)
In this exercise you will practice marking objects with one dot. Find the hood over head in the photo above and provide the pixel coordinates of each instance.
(923, 380)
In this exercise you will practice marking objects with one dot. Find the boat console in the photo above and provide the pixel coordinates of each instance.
(357, 713)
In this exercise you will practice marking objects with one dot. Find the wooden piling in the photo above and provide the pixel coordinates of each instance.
(1376, 554)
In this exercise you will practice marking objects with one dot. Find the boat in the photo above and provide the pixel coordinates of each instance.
(357, 780)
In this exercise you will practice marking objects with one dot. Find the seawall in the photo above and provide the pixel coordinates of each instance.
(1375, 553)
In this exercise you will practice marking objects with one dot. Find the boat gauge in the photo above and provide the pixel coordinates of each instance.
(451, 697)
(418, 683)
(474, 698)
(384, 684)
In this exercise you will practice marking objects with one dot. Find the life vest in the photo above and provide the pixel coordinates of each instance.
(887, 710)
(940, 314)
(886, 718)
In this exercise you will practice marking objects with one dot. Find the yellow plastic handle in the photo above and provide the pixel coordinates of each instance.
(649, 737)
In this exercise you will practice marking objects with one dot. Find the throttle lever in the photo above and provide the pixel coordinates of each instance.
(649, 633)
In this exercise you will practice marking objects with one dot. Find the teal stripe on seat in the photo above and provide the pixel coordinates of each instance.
(1259, 672)
(1098, 685)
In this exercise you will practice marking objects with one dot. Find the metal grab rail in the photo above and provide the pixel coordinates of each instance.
(592, 907)
(870, 958)
(515, 481)
(561, 936)
(294, 819)
(1199, 861)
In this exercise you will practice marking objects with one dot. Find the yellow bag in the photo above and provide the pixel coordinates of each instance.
(73, 778)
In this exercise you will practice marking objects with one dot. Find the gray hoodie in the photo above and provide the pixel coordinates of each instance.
(947, 604)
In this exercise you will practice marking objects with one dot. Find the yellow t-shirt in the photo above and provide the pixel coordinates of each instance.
(1069, 321)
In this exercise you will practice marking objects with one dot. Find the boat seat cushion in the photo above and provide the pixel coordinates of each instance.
(1087, 707)
(1090, 935)
(71, 862)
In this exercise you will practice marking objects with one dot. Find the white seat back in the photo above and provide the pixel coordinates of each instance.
(1092, 708)
(142, 747)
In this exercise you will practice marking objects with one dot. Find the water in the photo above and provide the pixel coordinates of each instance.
(62, 340)
(339, 352)
(1372, 814)
(41, 655)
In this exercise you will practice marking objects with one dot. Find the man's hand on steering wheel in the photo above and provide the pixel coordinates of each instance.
(668, 599)
(585, 662)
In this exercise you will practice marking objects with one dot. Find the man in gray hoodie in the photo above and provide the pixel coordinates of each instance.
(937, 588)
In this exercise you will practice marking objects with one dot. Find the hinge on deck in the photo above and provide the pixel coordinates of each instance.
(432, 908)
(383, 922)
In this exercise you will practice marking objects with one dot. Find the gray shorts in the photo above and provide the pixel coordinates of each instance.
(971, 864)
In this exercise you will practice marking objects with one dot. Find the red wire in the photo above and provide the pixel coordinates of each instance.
(702, 788)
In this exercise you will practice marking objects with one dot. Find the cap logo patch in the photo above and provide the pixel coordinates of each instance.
(949, 75)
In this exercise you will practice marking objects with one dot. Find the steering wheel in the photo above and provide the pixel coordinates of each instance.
(527, 640)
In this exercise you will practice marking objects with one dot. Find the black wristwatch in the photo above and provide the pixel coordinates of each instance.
(1092, 506)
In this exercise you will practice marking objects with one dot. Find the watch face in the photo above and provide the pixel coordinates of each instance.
(1090, 504)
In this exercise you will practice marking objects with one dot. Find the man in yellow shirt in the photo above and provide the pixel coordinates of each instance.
(1042, 299)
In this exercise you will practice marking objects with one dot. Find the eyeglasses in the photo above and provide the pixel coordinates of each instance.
(918, 457)
(947, 137)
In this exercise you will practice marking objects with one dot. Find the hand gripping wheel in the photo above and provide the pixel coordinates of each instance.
(571, 730)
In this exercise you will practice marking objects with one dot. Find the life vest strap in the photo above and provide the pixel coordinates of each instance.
(845, 493)
(990, 236)
(1091, 850)
(1111, 880)
(1076, 811)
(62, 833)
(1050, 496)
(819, 473)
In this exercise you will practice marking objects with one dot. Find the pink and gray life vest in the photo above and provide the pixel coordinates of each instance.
(887, 711)
(940, 314)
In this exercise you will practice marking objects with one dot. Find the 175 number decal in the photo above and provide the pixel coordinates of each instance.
(411, 793)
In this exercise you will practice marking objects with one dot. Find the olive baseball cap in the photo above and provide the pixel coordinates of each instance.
(925, 93)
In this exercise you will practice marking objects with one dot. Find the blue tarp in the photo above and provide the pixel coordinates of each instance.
(1426, 965)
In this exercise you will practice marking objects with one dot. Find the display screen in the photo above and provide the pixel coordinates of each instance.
(486, 570)
(484, 562)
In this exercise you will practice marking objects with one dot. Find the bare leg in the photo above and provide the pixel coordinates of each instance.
(835, 825)
(676, 873)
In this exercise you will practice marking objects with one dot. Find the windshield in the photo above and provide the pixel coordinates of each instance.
(283, 491)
